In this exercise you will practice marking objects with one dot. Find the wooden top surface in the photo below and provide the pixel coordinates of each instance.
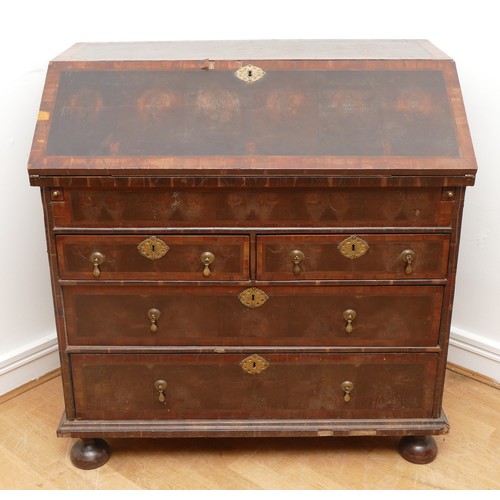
(253, 49)
(320, 108)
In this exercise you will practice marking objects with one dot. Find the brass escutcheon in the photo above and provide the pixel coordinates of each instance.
(249, 73)
(207, 258)
(353, 247)
(153, 248)
(97, 259)
(296, 256)
(408, 256)
(254, 364)
(253, 297)
(161, 387)
(347, 387)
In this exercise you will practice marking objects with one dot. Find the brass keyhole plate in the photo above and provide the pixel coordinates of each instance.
(253, 297)
(353, 247)
(153, 248)
(254, 364)
(249, 73)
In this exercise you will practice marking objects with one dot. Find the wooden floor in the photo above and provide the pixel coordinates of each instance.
(31, 456)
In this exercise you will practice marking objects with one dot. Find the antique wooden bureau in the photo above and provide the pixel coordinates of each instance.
(252, 238)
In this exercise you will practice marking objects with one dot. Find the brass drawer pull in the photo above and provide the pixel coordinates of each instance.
(408, 256)
(97, 259)
(207, 258)
(347, 387)
(296, 256)
(349, 315)
(161, 387)
(154, 316)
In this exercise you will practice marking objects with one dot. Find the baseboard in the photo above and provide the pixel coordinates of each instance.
(28, 363)
(476, 353)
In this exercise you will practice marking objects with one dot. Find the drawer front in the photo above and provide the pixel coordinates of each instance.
(291, 316)
(279, 386)
(362, 256)
(165, 257)
(297, 207)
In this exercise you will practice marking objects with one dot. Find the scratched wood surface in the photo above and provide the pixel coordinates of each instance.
(33, 458)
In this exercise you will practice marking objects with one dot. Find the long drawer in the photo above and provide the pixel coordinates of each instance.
(225, 316)
(268, 386)
(358, 256)
(167, 257)
(243, 207)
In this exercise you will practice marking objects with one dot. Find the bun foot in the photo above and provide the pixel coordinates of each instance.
(90, 453)
(418, 449)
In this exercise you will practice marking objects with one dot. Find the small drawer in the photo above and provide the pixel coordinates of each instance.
(204, 386)
(353, 316)
(360, 256)
(144, 257)
(253, 207)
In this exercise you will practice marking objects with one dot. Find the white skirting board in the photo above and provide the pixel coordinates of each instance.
(28, 363)
(32, 361)
(475, 353)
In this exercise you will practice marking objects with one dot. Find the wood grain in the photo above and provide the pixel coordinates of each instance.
(33, 458)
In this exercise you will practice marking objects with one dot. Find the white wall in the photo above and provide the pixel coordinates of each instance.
(34, 32)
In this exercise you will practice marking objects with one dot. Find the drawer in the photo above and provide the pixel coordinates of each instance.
(362, 256)
(240, 386)
(228, 207)
(166, 257)
(393, 316)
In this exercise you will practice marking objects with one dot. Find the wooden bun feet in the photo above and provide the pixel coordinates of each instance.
(418, 449)
(90, 453)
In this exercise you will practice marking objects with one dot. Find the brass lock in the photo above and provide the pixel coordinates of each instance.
(154, 316)
(97, 259)
(408, 256)
(296, 256)
(161, 387)
(207, 258)
(347, 387)
(349, 315)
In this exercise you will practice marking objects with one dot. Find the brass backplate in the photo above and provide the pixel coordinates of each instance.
(249, 73)
(254, 364)
(353, 247)
(253, 297)
(153, 248)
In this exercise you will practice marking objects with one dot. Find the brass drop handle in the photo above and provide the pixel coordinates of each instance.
(97, 259)
(408, 256)
(207, 258)
(347, 387)
(349, 315)
(154, 316)
(161, 387)
(296, 256)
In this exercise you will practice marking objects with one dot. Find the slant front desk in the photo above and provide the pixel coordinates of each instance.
(252, 238)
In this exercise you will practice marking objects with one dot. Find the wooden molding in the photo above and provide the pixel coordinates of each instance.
(473, 375)
(30, 385)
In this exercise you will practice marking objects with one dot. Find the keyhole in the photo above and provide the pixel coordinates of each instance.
(249, 73)
(353, 247)
(153, 248)
(254, 364)
(253, 297)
